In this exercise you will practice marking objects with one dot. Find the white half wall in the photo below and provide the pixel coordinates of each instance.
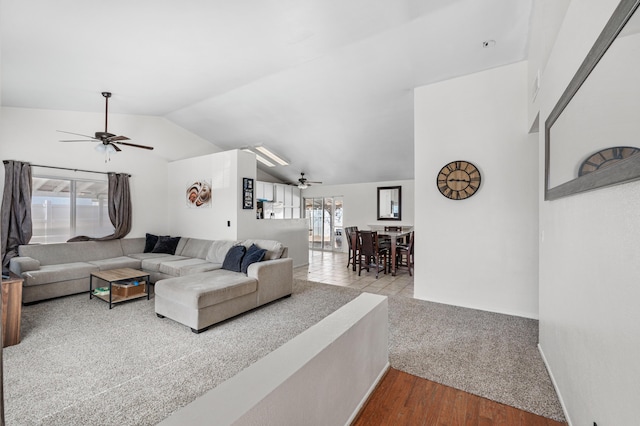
(320, 377)
(481, 252)
(30, 135)
(589, 269)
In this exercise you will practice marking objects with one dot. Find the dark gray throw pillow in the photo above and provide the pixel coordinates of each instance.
(166, 245)
(150, 242)
(254, 254)
(233, 259)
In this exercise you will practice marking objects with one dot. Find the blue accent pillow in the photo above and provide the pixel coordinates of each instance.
(233, 259)
(166, 245)
(254, 254)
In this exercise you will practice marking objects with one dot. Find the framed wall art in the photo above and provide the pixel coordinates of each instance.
(199, 194)
(247, 193)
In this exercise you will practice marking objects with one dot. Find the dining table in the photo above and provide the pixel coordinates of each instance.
(393, 237)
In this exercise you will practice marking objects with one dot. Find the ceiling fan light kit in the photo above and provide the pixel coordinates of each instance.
(106, 141)
(303, 182)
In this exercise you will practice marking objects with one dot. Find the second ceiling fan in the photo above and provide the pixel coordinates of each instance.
(303, 183)
(108, 140)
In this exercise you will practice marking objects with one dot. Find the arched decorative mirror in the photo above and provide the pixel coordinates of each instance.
(389, 203)
(592, 135)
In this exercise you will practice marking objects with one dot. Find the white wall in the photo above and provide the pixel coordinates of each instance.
(30, 135)
(359, 202)
(589, 269)
(225, 170)
(481, 252)
(220, 219)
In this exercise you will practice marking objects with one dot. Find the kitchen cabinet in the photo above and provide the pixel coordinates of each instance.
(284, 201)
(264, 191)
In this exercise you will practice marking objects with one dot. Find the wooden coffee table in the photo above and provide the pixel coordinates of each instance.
(113, 275)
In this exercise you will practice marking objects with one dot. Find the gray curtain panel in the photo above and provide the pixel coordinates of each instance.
(119, 208)
(17, 227)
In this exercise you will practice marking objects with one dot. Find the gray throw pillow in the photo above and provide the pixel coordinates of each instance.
(166, 245)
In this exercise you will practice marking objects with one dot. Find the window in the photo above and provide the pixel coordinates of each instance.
(62, 208)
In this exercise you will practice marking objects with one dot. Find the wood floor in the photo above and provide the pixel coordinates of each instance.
(403, 399)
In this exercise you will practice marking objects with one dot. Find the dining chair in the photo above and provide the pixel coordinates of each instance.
(371, 255)
(352, 241)
(392, 228)
(404, 255)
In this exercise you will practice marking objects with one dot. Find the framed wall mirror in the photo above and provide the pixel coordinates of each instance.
(593, 132)
(389, 203)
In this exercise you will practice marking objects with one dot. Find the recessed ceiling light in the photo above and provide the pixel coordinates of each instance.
(488, 43)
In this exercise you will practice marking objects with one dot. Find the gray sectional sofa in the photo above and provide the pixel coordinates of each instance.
(190, 286)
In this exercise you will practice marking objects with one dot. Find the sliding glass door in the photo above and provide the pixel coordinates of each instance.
(325, 223)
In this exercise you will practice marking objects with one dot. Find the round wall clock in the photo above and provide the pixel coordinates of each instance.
(606, 157)
(458, 180)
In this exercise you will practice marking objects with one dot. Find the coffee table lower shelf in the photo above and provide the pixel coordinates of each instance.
(118, 299)
(114, 275)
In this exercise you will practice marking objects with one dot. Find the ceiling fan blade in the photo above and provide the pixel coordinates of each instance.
(78, 140)
(317, 183)
(117, 138)
(115, 147)
(77, 134)
(134, 145)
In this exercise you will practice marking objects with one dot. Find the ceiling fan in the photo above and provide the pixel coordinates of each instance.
(303, 183)
(107, 141)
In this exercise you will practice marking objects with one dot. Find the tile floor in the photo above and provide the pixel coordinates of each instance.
(331, 268)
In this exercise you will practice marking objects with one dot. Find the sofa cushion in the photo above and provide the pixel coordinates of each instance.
(153, 264)
(166, 245)
(206, 289)
(233, 259)
(195, 247)
(144, 256)
(274, 248)
(63, 272)
(189, 266)
(254, 254)
(218, 250)
(117, 262)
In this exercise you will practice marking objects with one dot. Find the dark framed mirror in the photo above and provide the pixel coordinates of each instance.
(389, 203)
(593, 133)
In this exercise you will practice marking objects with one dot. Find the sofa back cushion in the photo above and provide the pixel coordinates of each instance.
(132, 245)
(82, 251)
(218, 250)
(274, 248)
(195, 247)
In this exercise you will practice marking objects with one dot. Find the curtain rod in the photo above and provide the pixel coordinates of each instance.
(66, 168)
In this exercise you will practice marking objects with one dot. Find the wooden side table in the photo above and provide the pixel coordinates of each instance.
(11, 310)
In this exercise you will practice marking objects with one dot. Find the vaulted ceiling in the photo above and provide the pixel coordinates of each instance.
(327, 84)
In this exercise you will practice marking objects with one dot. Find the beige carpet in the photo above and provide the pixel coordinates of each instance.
(81, 363)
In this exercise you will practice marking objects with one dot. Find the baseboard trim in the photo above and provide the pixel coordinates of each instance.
(555, 385)
(373, 387)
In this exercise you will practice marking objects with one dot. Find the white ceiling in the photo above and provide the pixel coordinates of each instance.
(327, 84)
